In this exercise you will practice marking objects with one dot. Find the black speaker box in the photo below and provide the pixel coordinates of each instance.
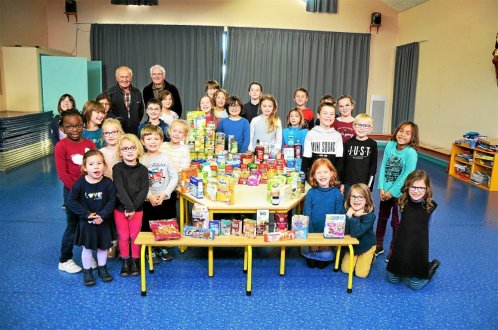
(376, 18)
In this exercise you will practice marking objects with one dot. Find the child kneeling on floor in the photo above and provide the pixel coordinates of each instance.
(360, 218)
(409, 261)
(323, 198)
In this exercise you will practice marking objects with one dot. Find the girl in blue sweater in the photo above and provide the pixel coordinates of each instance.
(360, 218)
(235, 124)
(295, 128)
(323, 198)
(400, 159)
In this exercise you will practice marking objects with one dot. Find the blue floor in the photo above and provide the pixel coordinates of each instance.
(35, 294)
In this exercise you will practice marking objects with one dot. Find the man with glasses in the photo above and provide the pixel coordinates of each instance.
(159, 84)
(126, 100)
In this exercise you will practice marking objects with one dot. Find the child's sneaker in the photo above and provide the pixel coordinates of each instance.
(69, 267)
(379, 250)
(155, 258)
(165, 254)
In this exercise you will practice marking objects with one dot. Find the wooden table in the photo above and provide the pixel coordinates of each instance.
(147, 241)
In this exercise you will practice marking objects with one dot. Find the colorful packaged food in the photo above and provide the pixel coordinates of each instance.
(236, 227)
(200, 216)
(196, 187)
(262, 222)
(280, 236)
(300, 224)
(165, 229)
(281, 221)
(225, 227)
(335, 224)
(225, 192)
(196, 232)
(249, 228)
(215, 224)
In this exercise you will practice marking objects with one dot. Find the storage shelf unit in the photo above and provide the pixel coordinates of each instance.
(475, 166)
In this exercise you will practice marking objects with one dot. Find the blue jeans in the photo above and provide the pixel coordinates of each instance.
(68, 237)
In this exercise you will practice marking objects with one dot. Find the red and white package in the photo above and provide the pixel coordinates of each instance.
(165, 229)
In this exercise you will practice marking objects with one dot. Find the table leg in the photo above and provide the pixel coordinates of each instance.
(142, 268)
(182, 219)
(249, 271)
(151, 262)
(282, 260)
(210, 261)
(245, 260)
(337, 257)
(351, 264)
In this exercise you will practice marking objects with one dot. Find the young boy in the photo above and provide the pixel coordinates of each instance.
(250, 109)
(153, 111)
(359, 163)
(301, 98)
(323, 141)
(163, 179)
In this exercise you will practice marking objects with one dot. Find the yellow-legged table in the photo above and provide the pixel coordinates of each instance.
(147, 241)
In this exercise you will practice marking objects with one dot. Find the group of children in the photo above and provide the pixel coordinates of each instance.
(123, 187)
(109, 193)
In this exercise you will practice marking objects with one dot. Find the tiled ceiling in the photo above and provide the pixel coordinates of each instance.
(401, 5)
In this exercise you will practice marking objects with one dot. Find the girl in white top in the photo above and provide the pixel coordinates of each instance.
(177, 149)
(167, 115)
(267, 127)
(111, 131)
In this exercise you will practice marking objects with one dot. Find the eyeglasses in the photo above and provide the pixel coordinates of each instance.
(111, 133)
(72, 128)
(414, 188)
(132, 148)
(357, 198)
(362, 125)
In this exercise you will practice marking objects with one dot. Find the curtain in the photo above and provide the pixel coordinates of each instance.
(283, 60)
(321, 6)
(191, 55)
(405, 83)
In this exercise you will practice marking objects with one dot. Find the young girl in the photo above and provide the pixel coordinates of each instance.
(105, 101)
(295, 127)
(177, 149)
(410, 256)
(323, 198)
(360, 218)
(93, 115)
(220, 97)
(344, 123)
(92, 199)
(111, 131)
(153, 110)
(267, 127)
(66, 102)
(68, 160)
(206, 105)
(236, 125)
(400, 159)
(132, 184)
(167, 115)
(211, 87)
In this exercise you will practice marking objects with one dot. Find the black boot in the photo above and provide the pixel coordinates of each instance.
(135, 267)
(88, 279)
(104, 274)
(432, 269)
(125, 269)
